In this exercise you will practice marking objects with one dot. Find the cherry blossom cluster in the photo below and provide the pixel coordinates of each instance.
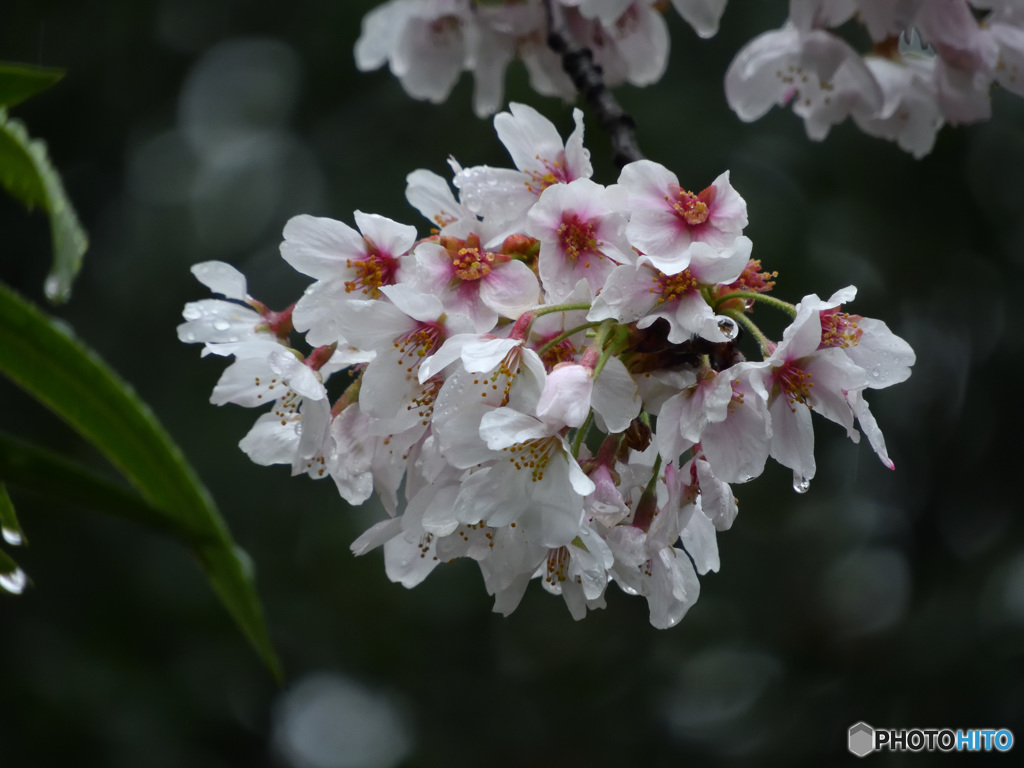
(932, 61)
(551, 382)
(429, 43)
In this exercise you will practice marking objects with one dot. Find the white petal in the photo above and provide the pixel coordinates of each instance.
(510, 289)
(390, 237)
(565, 400)
(376, 535)
(221, 278)
(793, 437)
(417, 305)
(616, 396)
(299, 376)
(702, 15)
(270, 441)
(503, 427)
(320, 247)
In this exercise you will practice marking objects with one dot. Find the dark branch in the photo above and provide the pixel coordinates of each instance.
(588, 78)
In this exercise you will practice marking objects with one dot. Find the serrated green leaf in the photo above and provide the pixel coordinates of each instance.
(63, 374)
(26, 172)
(9, 528)
(21, 81)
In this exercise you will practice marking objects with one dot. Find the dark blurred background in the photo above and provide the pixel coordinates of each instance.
(189, 130)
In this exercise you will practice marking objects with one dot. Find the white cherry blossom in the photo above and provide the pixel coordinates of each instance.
(579, 435)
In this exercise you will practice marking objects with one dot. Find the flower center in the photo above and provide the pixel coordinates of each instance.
(672, 287)
(533, 455)
(691, 208)
(753, 279)
(795, 383)
(371, 272)
(444, 30)
(562, 352)
(838, 329)
(558, 565)
(577, 237)
(415, 345)
(550, 172)
(737, 397)
(471, 262)
(495, 386)
(423, 402)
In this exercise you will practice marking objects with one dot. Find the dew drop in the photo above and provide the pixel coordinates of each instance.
(54, 290)
(12, 537)
(728, 327)
(801, 484)
(191, 312)
(189, 336)
(14, 582)
(221, 325)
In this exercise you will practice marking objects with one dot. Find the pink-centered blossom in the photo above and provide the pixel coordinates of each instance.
(581, 237)
(346, 264)
(666, 220)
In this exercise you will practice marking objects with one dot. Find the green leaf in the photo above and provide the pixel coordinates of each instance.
(21, 81)
(9, 528)
(26, 172)
(62, 480)
(59, 371)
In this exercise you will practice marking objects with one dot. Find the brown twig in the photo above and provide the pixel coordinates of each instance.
(588, 78)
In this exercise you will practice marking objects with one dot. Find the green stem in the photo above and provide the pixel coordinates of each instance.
(747, 323)
(620, 342)
(764, 298)
(654, 475)
(540, 312)
(565, 335)
(581, 433)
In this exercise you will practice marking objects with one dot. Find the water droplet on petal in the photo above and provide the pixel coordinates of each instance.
(728, 327)
(221, 325)
(14, 582)
(800, 483)
(12, 537)
(191, 312)
(189, 336)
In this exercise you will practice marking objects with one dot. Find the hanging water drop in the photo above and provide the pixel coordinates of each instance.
(801, 484)
(55, 290)
(14, 582)
(12, 537)
(728, 327)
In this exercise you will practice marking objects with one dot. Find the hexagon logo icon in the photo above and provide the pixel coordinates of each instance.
(861, 739)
